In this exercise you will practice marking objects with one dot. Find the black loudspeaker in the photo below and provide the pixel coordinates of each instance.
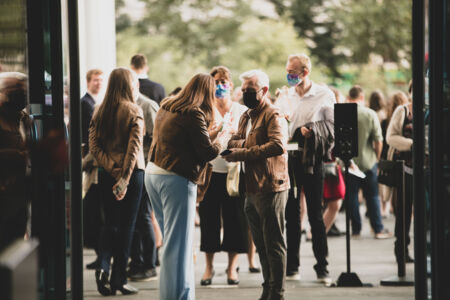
(346, 130)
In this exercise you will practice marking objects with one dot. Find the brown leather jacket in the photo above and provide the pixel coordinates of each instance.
(181, 143)
(121, 155)
(263, 150)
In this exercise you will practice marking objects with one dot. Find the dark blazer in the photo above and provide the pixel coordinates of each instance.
(87, 110)
(152, 90)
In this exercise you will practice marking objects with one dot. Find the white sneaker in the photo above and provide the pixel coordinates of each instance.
(294, 276)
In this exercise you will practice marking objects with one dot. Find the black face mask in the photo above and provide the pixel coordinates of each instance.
(17, 100)
(250, 99)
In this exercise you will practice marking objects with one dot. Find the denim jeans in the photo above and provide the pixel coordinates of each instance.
(143, 248)
(120, 217)
(173, 199)
(369, 186)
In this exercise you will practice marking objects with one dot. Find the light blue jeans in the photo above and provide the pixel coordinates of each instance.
(173, 200)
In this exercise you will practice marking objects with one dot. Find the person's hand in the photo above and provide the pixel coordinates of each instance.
(213, 131)
(306, 132)
(121, 195)
(232, 156)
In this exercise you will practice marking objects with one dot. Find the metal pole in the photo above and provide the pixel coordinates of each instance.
(75, 153)
(420, 224)
(347, 215)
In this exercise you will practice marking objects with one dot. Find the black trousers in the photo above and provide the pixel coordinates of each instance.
(143, 247)
(312, 185)
(408, 215)
(92, 217)
(218, 206)
(120, 218)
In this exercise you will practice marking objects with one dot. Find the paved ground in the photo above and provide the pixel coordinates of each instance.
(372, 260)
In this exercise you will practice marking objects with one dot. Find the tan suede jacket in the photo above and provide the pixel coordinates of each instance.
(263, 150)
(121, 155)
(181, 143)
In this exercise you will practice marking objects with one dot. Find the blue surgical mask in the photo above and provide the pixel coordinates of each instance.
(222, 91)
(293, 79)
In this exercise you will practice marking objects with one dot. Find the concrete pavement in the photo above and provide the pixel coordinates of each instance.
(371, 259)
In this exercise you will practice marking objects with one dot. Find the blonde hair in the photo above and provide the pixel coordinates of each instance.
(303, 59)
(93, 72)
(119, 90)
(198, 92)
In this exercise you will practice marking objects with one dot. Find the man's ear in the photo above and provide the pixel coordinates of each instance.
(305, 72)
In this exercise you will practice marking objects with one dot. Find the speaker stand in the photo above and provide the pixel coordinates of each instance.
(348, 279)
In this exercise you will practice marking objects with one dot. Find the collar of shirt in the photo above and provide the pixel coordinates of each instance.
(312, 91)
(93, 97)
(142, 76)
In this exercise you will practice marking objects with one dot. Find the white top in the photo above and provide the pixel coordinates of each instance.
(394, 134)
(230, 123)
(306, 109)
(155, 170)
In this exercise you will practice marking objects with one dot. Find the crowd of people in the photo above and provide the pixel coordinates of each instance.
(251, 165)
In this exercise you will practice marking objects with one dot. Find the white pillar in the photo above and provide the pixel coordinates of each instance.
(97, 37)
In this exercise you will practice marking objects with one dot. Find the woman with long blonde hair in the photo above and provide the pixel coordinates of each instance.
(115, 138)
(181, 148)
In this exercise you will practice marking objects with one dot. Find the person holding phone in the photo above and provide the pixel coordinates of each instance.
(181, 148)
(260, 143)
(115, 138)
(219, 210)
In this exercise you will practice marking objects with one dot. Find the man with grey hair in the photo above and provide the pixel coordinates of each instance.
(14, 157)
(309, 110)
(260, 144)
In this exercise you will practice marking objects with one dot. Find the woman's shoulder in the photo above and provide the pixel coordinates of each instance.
(131, 107)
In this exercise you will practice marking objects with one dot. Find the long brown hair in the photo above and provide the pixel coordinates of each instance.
(397, 99)
(198, 92)
(119, 90)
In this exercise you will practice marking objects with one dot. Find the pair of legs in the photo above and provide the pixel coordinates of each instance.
(218, 206)
(369, 186)
(117, 231)
(92, 221)
(407, 216)
(173, 199)
(312, 185)
(265, 213)
(143, 248)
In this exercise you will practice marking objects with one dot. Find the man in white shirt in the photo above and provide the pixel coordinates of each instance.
(308, 104)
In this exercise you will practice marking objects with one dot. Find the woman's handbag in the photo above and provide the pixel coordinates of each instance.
(233, 179)
(334, 185)
(386, 173)
(204, 179)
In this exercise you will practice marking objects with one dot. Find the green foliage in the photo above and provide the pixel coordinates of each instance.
(239, 44)
(377, 27)
(350, 41)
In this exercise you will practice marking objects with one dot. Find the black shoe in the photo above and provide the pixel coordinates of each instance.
(146, 275)
(232, 281)
(334, 231)
(409, 259)
(322, 274)
(125, 289)
(207, 281)
(254, 270)
(93, 265)
(101, 278)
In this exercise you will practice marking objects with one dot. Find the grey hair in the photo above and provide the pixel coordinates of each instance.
(5, 75)
(262, 78)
